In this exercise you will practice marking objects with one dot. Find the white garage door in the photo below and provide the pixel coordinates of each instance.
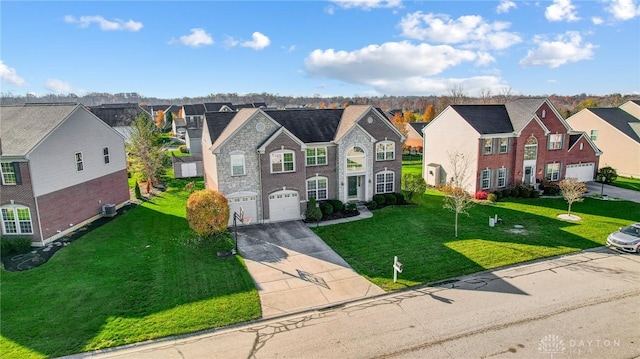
(243, 201)
(582, 171)
(189, 170)
(284, 205)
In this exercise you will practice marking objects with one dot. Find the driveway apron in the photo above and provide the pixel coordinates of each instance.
(294, 270)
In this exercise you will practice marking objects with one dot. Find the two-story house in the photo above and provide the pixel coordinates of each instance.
(271, 162)
(60, 165)
(523, 141)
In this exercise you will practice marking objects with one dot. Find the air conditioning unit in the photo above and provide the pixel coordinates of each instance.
(109, 210)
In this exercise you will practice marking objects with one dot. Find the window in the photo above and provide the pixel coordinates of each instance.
(504, 145)
(282, 161)
(485, 179)
(544, 113)
(237, 164)
(594, 135)
(487, 146)
(501, 177)
(16, 220)
(9, 176)
(531, 149)
(555, 141)
(79, 162)
(356, 160)
(317, 188)
(385, 181)
(316, 156)
(385, 151)
(105, 155)
(553, 172)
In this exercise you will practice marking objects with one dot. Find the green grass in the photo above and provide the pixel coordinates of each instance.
(411, 167)
(130, 280)
(628, 183)
(422, 236)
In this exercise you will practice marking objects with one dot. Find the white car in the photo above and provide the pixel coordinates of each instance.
(626, 239)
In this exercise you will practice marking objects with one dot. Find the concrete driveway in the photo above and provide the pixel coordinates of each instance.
(294, 270)
(613, 192)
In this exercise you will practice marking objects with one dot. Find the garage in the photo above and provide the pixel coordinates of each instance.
(284, 205)
(246, 201)
(582, 171)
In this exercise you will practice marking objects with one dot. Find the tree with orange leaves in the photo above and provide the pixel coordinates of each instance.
(159, 118)
(400, 123)
(429, 113)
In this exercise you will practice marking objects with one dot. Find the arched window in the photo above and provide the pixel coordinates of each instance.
(385, 181)
(356, 160)
(16, 219)
(385, 150)
(531, 149)
(317, 187)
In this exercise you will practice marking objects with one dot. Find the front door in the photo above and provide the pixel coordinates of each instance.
(352, 187)
(528, 172)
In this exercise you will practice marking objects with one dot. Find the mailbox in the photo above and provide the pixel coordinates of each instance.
(398, 266)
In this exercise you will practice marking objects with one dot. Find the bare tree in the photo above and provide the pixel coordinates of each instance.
(457, 198)
(572, 191)
(485, 95)
(506, 94)
(456, 94)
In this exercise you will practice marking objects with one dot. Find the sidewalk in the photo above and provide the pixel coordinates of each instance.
(364, 213)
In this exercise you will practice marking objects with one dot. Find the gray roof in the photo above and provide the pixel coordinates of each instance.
(194, 110)
(217, 122)
(521, 111)
(194, 132)
(619, 119)
(486, 119)
(216, 106)
(418, 126)
(22, 127)
(187, 159)
(121, 114)
(309, 125)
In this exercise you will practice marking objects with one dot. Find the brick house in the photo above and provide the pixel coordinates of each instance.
(60, 164)
(524, 141)
(271, 162)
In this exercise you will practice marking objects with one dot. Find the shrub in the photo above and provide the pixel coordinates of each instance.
(535, 194)
(400, 198)
(498, 195)
(379, 198)
(313, 213)
(337, 204)
(15, 245)
(137, 192)
(5, 246)
(609, 174)
(390, 199)
(492, 197)
(326, 208)
(514, 192)
(207, 212)
(550, 188)
(413, 183)
(350, 207)
(481, 195)
(183, 149)
(371, 205)
(525, 192)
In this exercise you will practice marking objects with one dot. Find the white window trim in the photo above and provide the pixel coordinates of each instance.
(80, 162)
(502, 171)
(387, 155)
(487, 179)
(362, 155)
(16, 220)
(316, 179)
(500, 145)
(484, 147)
(316, 156)
(244, 165)
(384, 182)
(282, 162)
(552, 145)
(106, 158)
(13, 172)
(594, 135)
(550, 175)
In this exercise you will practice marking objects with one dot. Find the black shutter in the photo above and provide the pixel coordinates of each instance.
(16, 169)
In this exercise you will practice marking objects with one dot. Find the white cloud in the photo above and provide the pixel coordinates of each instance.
(624, 9)
(367, 4)
(197, 38)
(471, 31)
(8, 74)
(505, 6)
(259, 41)
(561, 10)
(106, 25)
(597, 20)
(58, 86)
(564, 49)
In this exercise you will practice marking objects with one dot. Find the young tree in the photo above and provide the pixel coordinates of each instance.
(413, 183)
(400, 123)
(429, 113)
(146, 155)
(607, 175)
(409, 116)
(207, 212)
(457, 199)
(572, 191)
(160, 118)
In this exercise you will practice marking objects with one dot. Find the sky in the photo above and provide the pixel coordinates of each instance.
(348, 48)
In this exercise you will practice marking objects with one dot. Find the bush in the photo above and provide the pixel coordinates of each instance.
(481, 195)
(400, 199)
(183, 149)
(379, 198)
(371, 205)
(15, 245)
(326, 208)
(492, 197)
(609, 174)
(525, 192)
(207, 212)
(350, 207)
(498, 195)
(5, 246)
(337, 204)
(535, 194)
(413, 183)
(137, 192)
(390, 199)
(514, 192)
(312, 213)
(550, 188)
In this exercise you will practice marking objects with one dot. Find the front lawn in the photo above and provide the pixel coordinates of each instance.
(129, 280)
(422, 236)
(628, 183)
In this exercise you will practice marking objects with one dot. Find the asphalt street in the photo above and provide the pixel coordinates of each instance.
(577, 306)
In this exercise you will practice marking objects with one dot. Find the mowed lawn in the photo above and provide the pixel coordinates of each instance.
(628, 183)
(130, 280)
(422, 236)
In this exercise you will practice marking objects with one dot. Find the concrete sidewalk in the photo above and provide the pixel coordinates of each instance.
(294, 270)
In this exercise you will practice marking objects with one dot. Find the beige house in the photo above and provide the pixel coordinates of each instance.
(616, 131)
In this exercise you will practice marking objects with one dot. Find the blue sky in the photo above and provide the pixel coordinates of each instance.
(171, 49)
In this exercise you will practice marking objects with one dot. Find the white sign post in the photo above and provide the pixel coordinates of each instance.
(397, 268)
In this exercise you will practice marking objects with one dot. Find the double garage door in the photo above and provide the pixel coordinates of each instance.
(284, 205)
(582, 171)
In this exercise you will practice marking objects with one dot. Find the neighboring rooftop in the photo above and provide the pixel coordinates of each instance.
(486, 119)
(619, 119)
(309, 125)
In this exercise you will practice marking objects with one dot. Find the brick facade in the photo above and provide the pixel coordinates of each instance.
(22, 194)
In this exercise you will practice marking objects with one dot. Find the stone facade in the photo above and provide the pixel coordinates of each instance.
(355, 137)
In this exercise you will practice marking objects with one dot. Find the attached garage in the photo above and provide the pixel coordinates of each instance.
(582, 171)
(284, 205)
(246, 201)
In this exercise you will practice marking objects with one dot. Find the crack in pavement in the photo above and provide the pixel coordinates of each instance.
(266, 332)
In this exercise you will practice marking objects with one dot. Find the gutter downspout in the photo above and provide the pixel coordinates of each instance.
(261, 216)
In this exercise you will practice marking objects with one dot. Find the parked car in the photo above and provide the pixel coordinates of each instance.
(626, 239)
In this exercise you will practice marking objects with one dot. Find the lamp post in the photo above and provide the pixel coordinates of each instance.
(602, 187)
(236, 217)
